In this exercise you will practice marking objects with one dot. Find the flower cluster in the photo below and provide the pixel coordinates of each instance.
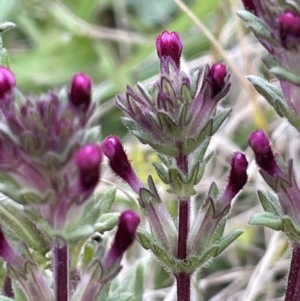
(176, 116)
(276, 24)
(48, 170)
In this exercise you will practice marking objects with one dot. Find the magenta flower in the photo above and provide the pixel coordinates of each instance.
(237, 177)
(81, 87)
(88, 159)
(119, 163)
(264, 156)
(216, 78)
(7, 81)
(168, 44)
(124, 237)
(289, 26)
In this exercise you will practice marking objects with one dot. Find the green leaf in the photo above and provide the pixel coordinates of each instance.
(144, 238)
(159, 147)
(88, 254)
(227, 240)
(21, 226)
(169, 126)
(107, 222)
(269, 91)
(162, 172)
(79, 234)
(219, 119)
(270, 203)
(256, 25)
(107, 200)
(193, 144)
(130, 124)
(18, 292)
(121, 297)
(133, 283)
(291, 229)
(266, 219)
(284, 74)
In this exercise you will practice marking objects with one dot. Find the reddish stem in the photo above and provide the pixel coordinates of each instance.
(61, 271)
(293, 285)
(183, 279)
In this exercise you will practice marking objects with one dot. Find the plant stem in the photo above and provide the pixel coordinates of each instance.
(183, 279)
(7, 288)
(293, 285)
(61, 271)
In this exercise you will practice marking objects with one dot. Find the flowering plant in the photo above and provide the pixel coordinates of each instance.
(276, 24)
(177, 116)
(49, 169)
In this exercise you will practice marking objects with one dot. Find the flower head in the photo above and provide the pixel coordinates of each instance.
(168, 44)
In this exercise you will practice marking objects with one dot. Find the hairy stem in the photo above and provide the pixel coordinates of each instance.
(61, 271)
(293, 285)
(7, 288)
(183, 279)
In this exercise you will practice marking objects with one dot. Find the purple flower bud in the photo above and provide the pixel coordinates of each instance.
(125, 236)
(169, 44)
(264, 156)
(289, 23)
(216, 77)
(237, 177)
(249, 5)
(88, 159)
(119, 163)
(81, 89)
(289, 26)
(7, 81)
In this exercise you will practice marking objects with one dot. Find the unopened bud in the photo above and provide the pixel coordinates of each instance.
(289, 23)
(119, 163)
(264, 156)
(88, 159)
(216, 77)
(81, 87)
(125, 236)
(237, 177)
(169, 44)
(7, 81)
